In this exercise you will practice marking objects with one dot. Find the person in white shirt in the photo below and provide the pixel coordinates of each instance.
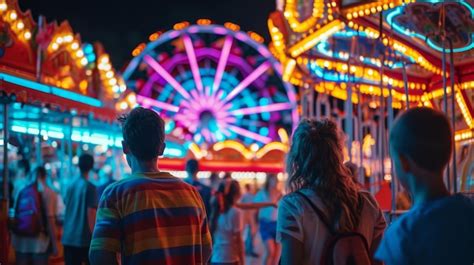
(267, 219)
(226, 225)
(316, 171)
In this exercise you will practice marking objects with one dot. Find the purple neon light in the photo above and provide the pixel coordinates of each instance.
(260, 109)
(161, 105)
(188, 45)
(161, 71)
(250, 134)
(222, 62)
(248, 80)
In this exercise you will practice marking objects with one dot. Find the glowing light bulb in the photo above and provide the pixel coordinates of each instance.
(75, 46)
(109, 74)
(13, 15)
(68, 38)
(27, 35)
(20, 25)
(79, 53)
(3, 6)
(55, 46)
(59, 40)
(84, 61)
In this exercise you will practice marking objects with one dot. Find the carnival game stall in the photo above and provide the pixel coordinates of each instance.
(58, 99)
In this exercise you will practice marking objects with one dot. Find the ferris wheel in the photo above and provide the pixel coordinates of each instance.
(213, 83)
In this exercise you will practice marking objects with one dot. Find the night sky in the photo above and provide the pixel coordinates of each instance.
(121, 25)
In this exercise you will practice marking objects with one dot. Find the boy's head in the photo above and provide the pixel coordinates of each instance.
(192, 167)
(143, 134)
(420, 141)
(86, 163)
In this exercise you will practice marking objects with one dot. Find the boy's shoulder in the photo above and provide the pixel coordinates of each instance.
(162, 180)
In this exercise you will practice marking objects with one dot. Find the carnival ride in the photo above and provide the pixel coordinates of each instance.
(383, 56)
(220, 93)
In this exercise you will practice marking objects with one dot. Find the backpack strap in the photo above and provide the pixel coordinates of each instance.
(318, 212)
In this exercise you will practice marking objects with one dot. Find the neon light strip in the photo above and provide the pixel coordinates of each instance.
(260, 109)
(222, 62)
(51, 90)
(400, 29)
(161, 105)
(310, 41)
(247, 81)
(188, 45)
(161, 71)
(249, 134)
(237, 146)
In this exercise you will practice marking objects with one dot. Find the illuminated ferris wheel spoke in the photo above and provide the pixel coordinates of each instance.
(261, 109)
(188, 45)
(248, 80)
(158, 104)
(212, 93)
(222, 62)
(163, 73)
(250, 134)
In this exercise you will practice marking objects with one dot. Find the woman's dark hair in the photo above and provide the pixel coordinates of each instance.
(223, 200)
(315, 161)
(269, 178)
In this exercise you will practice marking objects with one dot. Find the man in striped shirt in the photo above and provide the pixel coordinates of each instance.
(151, 217)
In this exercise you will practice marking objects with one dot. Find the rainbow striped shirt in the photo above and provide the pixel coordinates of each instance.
(153, 218)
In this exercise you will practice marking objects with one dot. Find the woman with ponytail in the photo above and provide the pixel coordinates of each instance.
(317, 175)
(226, 225)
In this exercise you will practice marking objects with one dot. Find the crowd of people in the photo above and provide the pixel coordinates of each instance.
(323, 216)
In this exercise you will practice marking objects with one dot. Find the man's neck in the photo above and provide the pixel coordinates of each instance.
(428, 188)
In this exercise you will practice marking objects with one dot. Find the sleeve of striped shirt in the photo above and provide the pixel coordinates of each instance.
(107, 233)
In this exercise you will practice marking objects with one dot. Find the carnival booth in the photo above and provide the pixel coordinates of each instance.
(58, 99)
(221, 94)
(373, 59)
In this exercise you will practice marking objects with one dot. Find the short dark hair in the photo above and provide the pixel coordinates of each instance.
(25, 165)
(86, 162)
(425, 136)
(144, 133)
(41, 172)
(192, 166)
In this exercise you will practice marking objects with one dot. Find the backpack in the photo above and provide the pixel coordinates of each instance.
(29, 215)
(347, 248)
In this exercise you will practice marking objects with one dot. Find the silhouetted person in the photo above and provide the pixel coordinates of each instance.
(192, 169)
(80, 200)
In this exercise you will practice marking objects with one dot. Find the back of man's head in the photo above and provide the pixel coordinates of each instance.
(41, 172)
(192, 167)
(423, 135)
(86, 163)
(144, 133)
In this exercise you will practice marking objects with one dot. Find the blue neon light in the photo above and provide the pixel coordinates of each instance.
(51, 90)
(400, 29)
